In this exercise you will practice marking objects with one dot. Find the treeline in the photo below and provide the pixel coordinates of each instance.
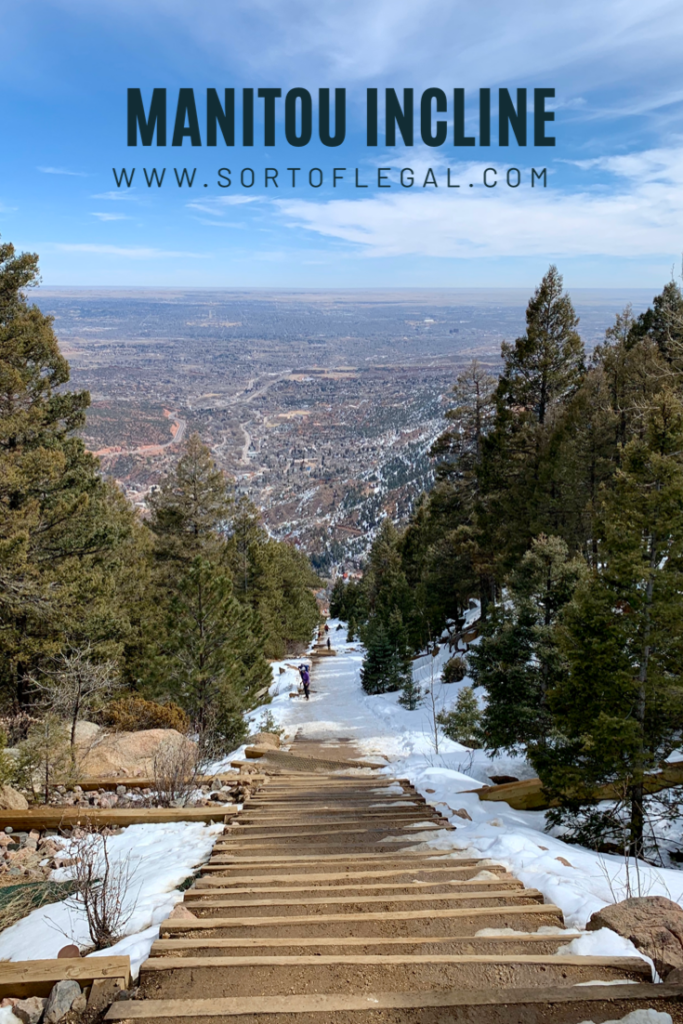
(184, 606)
(559, 506)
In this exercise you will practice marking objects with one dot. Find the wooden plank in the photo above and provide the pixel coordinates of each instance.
(341, 875)
(67, 817)
(250, 820)
(282, 833)
(235, 830)
(409, 856)
(208, 942)
(631, 964)
(497, 894)
(181, 925)
(332, 901)
(508, 998)
(528, 794)
(36, 977)
(217, 887)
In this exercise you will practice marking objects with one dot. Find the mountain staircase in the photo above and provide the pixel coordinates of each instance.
(322, 905)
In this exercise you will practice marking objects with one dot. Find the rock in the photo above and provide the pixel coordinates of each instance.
(652, 923)
(79, 1004)
(462, 813)
(501, 780)
(265, 739)
(87, 733)
(179, 911)
(69, 952)
(128, 753)
(120, 790)
(675, 977)
(30, 1010)
(61, 999)
(12, 800)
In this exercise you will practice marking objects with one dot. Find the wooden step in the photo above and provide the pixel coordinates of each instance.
(355, 904)
(282, 975)
(350, 875)
(401, 858)
(214, 886)
(493, 1005)
(299, 946)
(37, 977)
(340, 831)
(458, 921)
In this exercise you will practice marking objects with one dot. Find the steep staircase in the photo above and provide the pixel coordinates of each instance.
(319, 907)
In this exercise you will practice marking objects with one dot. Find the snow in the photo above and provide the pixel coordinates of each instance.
(577, 880)
(160, 857)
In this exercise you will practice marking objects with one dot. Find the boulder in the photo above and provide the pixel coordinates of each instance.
(29, 1010)
(179, 911)
(87, 732)
(12, 800)
(62, 997)
(266, 739)
(128, 754)
(652, 923)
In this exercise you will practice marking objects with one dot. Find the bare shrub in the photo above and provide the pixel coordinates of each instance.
(101, 885)
(175, 770)
(77, 686)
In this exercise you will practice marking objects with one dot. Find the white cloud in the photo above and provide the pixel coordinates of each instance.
(62, 170)
(218, 205)
(641, 215)
(126, 194)
(129, 252)
(110, 216)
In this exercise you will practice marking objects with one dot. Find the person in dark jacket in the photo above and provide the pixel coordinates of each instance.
(305, 679)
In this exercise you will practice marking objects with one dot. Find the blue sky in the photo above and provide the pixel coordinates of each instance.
(612, 214)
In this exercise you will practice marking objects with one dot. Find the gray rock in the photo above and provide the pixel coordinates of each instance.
(652, 923)
(121, 790)
(61, 999)
(30, 1010)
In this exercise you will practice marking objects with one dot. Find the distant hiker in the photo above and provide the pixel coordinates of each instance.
(329, 644)
(305, 679)
(327, 628)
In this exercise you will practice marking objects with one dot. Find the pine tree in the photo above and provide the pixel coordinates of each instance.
(192, 503)
(67, 539)
(462, 722)
(617, 711)
(546, 364)
(518, 659)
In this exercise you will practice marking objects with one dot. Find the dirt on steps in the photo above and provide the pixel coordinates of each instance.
(323, 906)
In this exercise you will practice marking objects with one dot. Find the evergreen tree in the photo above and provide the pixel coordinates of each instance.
(617, 712)
(518, 659)
(386, 665)
(67, 539)
(546, 364)
(462, 722)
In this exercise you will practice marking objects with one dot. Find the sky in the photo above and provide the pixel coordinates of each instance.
(610, 216)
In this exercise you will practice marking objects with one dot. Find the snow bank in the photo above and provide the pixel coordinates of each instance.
(160, 856)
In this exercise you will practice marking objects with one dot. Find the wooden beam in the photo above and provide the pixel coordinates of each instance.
(530, 895)
(511, 1000)
(207, 942)
(632, 964)
(67, 817)
(36, 977)
(182, 925)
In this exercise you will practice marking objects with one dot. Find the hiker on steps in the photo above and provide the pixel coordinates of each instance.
(305, 679)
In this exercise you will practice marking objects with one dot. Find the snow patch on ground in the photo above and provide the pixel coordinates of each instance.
(160, 856)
